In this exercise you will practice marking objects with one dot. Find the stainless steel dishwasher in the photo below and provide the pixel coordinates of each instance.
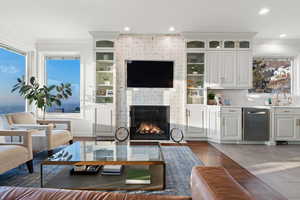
(256, 124)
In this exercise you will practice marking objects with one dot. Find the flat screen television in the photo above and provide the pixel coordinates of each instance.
(150, 74)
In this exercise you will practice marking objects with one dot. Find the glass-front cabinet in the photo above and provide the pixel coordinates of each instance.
(229, 44)
(214, 44)
(105, 63)
(195, 77)
(244, 44)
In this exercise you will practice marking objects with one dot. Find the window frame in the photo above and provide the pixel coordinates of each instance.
(292, 74)
(26, 71)
(43, 80)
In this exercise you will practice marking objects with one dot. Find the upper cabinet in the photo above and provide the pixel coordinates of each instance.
(244, 44)
(104, 44)
(229, 44)
(215, 44)
(195, 44)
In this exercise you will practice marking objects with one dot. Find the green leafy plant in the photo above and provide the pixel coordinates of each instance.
(211, 96)
(42, 96)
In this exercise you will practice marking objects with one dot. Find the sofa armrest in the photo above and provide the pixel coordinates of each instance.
(214, 183)
(67, 122)
(26, 134)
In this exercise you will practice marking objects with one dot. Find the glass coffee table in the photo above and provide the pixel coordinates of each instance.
(55, 171)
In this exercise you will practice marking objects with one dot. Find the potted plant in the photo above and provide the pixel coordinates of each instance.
(211, 99)
(42, 96)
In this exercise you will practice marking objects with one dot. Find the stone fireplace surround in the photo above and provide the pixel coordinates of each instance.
(151, 47)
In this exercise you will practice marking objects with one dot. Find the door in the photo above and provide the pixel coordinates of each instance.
(286, 127)
(195, 121)
(213, 62)
(228, 69)
(231, 127)
(244, 69)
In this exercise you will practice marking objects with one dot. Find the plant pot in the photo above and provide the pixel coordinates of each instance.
(211, 102)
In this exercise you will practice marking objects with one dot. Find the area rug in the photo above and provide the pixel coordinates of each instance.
(179, 162)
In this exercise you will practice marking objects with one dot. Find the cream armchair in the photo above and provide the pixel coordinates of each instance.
(12, 155)
(48, 138)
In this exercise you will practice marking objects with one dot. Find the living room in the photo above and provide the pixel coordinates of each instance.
(171, 100)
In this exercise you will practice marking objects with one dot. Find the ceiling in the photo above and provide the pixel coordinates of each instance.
(33, 20)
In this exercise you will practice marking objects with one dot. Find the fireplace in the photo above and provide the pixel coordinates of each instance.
(149, 122)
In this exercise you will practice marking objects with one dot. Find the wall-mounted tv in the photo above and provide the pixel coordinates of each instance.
(150, 74)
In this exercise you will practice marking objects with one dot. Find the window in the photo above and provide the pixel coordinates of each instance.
(271, 75)
(65, 69)
(12, 66)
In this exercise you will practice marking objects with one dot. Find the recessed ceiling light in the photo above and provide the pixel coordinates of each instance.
(127, 28)
(171, 29)
(264, 11)
(283, 35)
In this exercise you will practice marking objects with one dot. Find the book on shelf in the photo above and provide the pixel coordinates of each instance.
(138, 176)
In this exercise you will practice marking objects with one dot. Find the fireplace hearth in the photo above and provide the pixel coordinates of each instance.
(149, 122)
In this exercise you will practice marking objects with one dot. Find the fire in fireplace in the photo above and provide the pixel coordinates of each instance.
(149, 122)
(149, 128)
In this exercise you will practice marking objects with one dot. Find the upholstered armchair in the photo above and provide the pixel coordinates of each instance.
(14, 154)
(48, 137)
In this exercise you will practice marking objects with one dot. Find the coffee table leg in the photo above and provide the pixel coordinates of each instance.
(41, 175)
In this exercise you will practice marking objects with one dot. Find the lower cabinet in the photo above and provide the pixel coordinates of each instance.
(195, 120)
(231, 127)
(104, 120)
(287, 127)
(224, 124)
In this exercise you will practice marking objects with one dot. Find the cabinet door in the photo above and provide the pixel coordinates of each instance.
(104, 120)
(228, 69)
(213, 124)
(213, 63)
(195, 121)
(286, 127)
(244, 69)
(231, 127)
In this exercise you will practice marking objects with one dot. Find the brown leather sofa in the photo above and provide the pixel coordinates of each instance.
(207, 183)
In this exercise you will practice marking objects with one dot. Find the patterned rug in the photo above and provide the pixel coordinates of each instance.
(179, 162)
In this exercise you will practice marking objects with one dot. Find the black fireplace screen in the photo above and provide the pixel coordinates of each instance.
(149, 122)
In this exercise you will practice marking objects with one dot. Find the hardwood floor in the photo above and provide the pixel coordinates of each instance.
(211, 156)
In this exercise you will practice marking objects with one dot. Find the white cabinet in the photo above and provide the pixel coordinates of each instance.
(287, 124)
(195, 120)
(228, 69)
(244, 69)
(213, 123)
(285, 127)
(104, 120)
(231, 126)
(213, 65)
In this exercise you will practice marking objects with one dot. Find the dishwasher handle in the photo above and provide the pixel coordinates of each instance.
(257, 113)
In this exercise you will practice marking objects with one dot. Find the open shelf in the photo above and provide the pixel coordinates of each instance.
(63, 180)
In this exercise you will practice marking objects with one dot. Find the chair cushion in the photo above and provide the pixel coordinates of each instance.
(10, 193)
(11, 156)
(58, 137)
(21, 118)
